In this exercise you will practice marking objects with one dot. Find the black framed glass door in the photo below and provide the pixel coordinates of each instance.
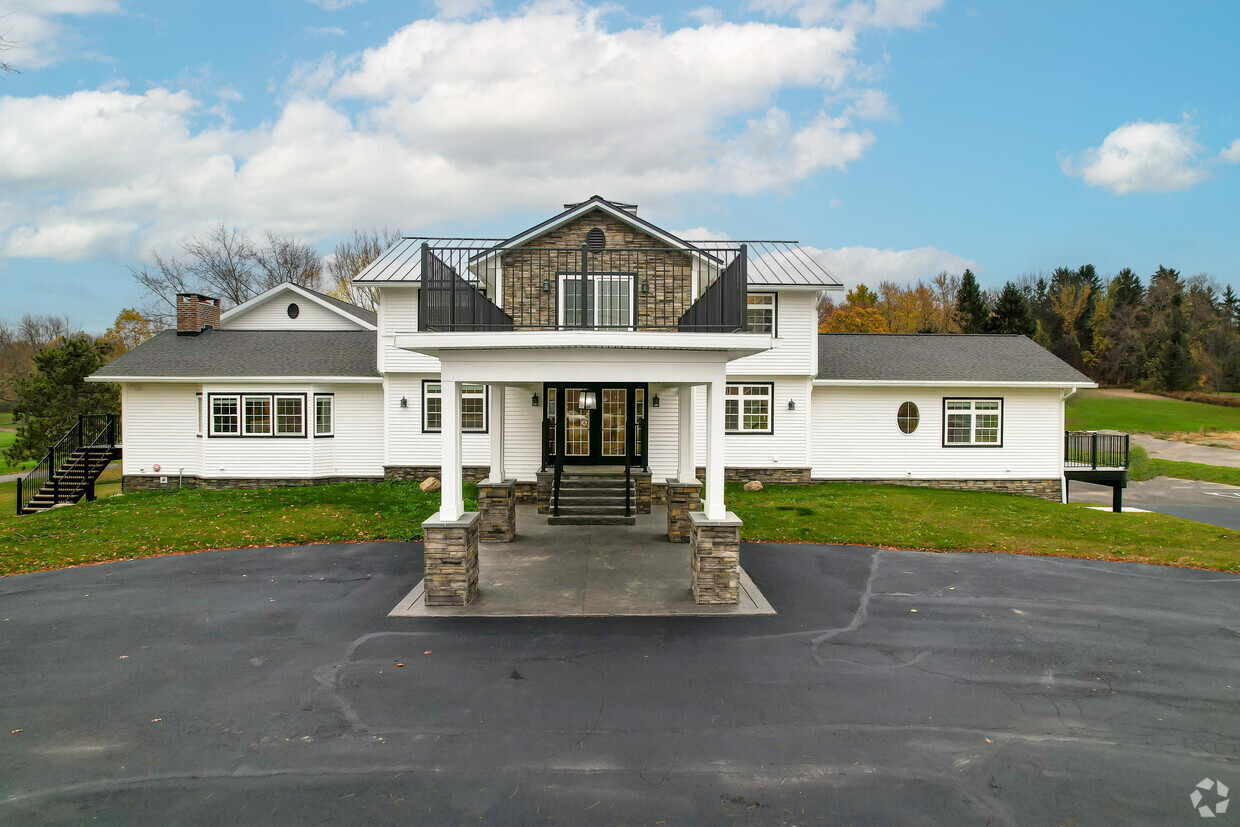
(594, 423)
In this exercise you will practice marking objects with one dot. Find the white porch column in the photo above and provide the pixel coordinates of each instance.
(495, 421)
(451, 501)
(686, 469)
(713, 507)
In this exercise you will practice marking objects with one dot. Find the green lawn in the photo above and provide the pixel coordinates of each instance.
(918, 518)
(152, 523)
(1092, 411)
(143, 525)
(7, 435)
(1142, 467)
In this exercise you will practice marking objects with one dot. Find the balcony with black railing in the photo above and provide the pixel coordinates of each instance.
(468, 288)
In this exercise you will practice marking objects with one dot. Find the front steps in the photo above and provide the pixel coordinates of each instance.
(594, 498)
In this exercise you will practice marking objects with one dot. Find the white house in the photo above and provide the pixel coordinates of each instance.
(592, 347)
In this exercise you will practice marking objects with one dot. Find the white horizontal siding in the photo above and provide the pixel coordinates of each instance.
(407, 445)
(794, 350)
(273, 315)
(522, 435)
(159, 427)
(855, 435)
(664, 439)
(398, 313)
(357, 447)
(785, 447)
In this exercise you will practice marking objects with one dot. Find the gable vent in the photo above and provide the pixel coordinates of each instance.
(595, 240)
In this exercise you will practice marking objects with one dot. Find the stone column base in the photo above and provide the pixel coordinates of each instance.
(451, 560)
(715, 559)
(497, 503)
(682, 497)
(542, 490)
(641, 482)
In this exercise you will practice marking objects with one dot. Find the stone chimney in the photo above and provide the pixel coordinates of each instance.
(196, 313)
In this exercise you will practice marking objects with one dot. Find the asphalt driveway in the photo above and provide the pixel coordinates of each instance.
(1203, 502)
(894, 687)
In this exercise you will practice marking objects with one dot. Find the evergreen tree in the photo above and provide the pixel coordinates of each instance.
(1012, 313)
(971, 312)
(50, 399)
(1175, 368)
(1126, 288)
(1231, 307)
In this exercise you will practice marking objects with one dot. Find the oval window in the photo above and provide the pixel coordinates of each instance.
(293, 311)
(908, 417)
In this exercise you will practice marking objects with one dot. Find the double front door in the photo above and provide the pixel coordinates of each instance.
(594, 424)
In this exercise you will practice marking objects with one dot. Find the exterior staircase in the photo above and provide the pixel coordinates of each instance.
(68, 472)
(593, 498)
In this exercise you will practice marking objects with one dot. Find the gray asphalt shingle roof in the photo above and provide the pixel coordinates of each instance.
(939, 358)
(241, 353)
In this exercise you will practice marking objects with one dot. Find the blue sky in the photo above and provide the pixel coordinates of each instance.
(894, 137)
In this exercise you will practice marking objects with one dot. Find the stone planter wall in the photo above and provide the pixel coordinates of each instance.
(715, 559)
(451, 560)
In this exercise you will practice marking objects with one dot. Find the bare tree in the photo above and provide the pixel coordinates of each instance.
(222, 261)
(282, 259)
(38, 331)
(5, 45)
(161, 279)
(351, 257)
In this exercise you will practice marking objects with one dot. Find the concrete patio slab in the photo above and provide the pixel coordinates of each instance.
(585, 571)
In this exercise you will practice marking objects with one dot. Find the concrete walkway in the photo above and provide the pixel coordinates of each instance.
(585, 571)
(1187, 451)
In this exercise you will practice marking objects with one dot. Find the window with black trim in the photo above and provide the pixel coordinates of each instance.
(473, 407)
(225, 415)
(747, 408)
(257, 421)
(324, 415)
(760, 313)
(290, 416)
(972, 423)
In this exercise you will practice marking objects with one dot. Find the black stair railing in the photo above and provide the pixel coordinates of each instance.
(70, 467)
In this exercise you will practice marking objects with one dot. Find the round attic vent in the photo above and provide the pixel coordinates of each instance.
(595, 240)
(293, 311)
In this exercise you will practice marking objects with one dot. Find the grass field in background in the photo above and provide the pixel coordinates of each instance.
(147, 524)
(7, 435)
(1092, 411)
(1141, 466)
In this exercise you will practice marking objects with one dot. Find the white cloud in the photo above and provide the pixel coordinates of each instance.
(885, 14)
(447, 121)
(37, 30)
(1145, 156)
(335, 5)
(329, 31)
(1231, 154)
(870, 266)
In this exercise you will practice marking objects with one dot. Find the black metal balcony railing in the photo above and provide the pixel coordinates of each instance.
(466, 288)
(1090, 449)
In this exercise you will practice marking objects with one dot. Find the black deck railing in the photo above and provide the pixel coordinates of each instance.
(67, 471)
(1092, 450)
(578, 288)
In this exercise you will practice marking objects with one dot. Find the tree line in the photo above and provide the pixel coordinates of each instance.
(1166, 332)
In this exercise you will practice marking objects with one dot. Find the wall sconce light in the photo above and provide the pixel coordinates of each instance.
(546, 285)
(645, 286)
(654, 403)
(534, 401)
(404, 403)
(792, 406)
(588, 400)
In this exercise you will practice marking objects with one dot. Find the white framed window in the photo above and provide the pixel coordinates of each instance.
(257, 419)
(290, 415)
(747, 408)
(473, 408)
(972, 423)
(324, 414)
(609, 300)
(225, 416)
(760, 313)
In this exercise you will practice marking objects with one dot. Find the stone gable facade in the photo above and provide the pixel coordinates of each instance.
(662, 276)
